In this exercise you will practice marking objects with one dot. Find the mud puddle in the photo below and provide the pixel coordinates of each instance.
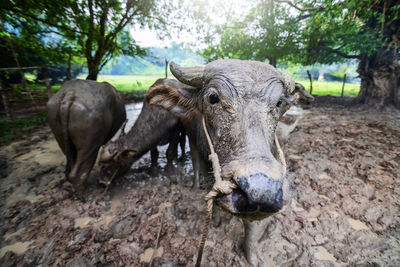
(345, 210)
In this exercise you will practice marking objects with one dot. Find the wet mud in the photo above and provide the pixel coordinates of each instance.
(343, 164)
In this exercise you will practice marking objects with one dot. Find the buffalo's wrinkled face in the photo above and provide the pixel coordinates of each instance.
(114, 157)
(242, 102)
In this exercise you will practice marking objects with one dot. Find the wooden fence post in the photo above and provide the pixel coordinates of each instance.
(46, 79)
(344, 81)
(310, 78)
(8, 112)
(166, 68)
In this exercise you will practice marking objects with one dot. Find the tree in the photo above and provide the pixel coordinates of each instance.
(95, 28)
(25, 43)
(266, 32)
(366, 30)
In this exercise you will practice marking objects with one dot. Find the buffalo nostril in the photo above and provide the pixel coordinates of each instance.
(279, 200)
(262, 191)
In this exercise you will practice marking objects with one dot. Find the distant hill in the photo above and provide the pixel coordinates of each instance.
(153, 63)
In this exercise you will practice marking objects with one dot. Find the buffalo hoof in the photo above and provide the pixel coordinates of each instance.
(154, 170)
(182, 158)
(170, 169)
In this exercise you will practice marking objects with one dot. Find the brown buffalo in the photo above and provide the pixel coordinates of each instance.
(84, 115)
(154, 127)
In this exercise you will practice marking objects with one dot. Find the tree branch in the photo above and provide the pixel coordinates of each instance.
(300, 18)
(101, 42)
(124, 21)
(336, 51)
(89, 40)
(302, 9)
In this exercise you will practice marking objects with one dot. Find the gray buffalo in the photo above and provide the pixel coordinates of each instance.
(154, 127)
(84, 115)
(242, 103)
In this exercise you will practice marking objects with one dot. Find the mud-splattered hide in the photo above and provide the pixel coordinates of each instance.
(84, 115)
(242, 102)
(154, 126)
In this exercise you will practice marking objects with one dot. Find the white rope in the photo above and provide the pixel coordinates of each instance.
(281, 156)
(219, 187)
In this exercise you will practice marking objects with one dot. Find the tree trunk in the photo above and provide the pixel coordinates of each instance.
(24, 82)
(310, 78)
(93, 72)
(69, 64)
(380, 80)
(344, 82)
(272, 61)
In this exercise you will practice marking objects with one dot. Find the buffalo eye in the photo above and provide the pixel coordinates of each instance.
(279, 102)
(213, 98)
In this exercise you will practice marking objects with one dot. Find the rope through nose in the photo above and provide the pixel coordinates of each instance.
(281, 156)
(219, 187)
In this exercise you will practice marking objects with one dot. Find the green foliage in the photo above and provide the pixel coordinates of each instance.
(33, 42)
(336, 30)
(95, 29)
(24, 125)
(266, 32)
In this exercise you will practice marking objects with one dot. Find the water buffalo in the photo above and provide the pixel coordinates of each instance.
(154, 127)
(84, 115)
(242, 103)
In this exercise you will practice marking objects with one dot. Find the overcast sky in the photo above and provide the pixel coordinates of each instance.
(148, 38)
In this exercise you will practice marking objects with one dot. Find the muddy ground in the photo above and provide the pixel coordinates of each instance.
(345, 210)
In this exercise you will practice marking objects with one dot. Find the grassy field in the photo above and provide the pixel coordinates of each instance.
(127, 83)
(331, 88)
(132, 83)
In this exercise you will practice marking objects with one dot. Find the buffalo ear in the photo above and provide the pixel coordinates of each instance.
(304, 95)
(181, 102)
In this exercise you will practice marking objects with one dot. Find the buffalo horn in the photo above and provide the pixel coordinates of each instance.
(119, 132)
(192, 76)
(304, 95)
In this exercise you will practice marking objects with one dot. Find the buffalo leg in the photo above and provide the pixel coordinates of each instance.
(182, 143)
(53, 118)
(87, 142)
(172, 151)
(154, 158)
(253, 230)
(196, 164)
(80, 171)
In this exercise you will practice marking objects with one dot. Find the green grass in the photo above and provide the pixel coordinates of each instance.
(331, 88)
(134, 83)
(124, 83)
(127, 83)
(23, 124)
